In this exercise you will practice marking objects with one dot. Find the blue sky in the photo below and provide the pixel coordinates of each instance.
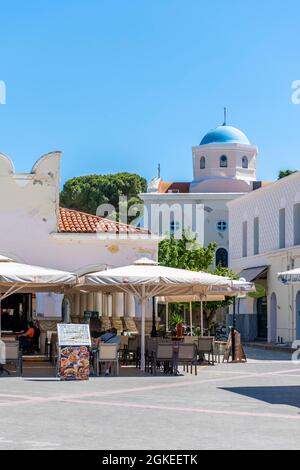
(120, 85)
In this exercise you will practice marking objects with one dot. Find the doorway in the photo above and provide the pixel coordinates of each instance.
(262, 318)
(16, 311)
(273, 318)
(298, 315)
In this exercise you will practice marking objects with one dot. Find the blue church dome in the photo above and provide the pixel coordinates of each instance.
(225, 135)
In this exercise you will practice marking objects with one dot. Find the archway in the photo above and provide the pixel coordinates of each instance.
(273, 318)
(298, 315)
(222, 257)
(262, 318)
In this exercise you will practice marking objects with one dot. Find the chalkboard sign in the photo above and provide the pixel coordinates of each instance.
(239, 353)
(73, 335)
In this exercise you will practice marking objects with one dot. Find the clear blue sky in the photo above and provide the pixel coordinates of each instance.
(120, 85)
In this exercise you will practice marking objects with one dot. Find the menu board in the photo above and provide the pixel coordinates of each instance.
(73, 334)
(74, 363)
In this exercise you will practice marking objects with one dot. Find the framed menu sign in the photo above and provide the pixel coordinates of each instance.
(74, 356)
(73, 334)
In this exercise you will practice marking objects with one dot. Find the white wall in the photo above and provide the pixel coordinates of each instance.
(29, 205)
(234, 153)
(266, 203)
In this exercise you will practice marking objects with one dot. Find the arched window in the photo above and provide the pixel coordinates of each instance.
(202, 163)
(222, 257)
(245, 163)
(223, 161)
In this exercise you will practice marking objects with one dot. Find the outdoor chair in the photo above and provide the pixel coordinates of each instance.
(123, 350)
(54, 348)
(134, 346)
(48, 343)
(189, 340)
(150, 348)
(13, 355)
(163, 354)
(187, 356)
(109, 353)
(205, 345)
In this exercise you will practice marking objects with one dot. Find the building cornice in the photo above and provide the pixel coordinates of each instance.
(189, 196)
(272, 254)
(92, 237)
(271, 187)
(218, 147)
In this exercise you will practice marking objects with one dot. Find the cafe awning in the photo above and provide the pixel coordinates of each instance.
(252, 274)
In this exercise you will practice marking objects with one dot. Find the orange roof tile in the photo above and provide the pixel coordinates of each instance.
(176, 187)
(72, 221)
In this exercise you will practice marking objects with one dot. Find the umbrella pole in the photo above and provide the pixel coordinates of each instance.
(167, 317)
(201, 313)
(191, 319)
(143, 331)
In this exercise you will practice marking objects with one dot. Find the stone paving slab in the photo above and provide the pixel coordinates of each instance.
(254, 405)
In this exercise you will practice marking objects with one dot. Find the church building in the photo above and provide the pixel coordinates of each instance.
(224, 168)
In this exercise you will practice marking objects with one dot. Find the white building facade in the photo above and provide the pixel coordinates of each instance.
(265, 240)
(224, 169)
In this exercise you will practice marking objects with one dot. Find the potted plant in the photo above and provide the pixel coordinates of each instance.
(198, 332)
(177, 324)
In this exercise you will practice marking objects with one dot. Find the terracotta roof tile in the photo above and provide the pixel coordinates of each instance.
(71, 221)
(174, 187)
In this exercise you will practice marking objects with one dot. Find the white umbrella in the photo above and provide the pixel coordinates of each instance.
(26, 278)
(146, 279)
(210, 297)
(238, 287)
(290, 277)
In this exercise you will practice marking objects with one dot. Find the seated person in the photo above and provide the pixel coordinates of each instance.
(28, 336)
(111, 337)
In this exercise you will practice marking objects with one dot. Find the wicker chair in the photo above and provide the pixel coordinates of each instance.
(109, 353)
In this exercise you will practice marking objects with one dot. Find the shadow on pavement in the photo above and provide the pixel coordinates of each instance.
(288, 395)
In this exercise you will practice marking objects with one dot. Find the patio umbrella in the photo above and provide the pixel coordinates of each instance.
(210, 297)
(26, 278)
(146, 279)
(238, 287)
(290, 277)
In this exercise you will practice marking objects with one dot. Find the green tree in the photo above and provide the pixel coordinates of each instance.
(285, 173)
(187, 253)
(86, 193)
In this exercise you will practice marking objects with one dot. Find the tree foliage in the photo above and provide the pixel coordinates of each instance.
(187, 253)
(87, 193)
(285, 173)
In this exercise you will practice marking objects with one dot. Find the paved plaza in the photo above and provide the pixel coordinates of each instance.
(227, 406)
